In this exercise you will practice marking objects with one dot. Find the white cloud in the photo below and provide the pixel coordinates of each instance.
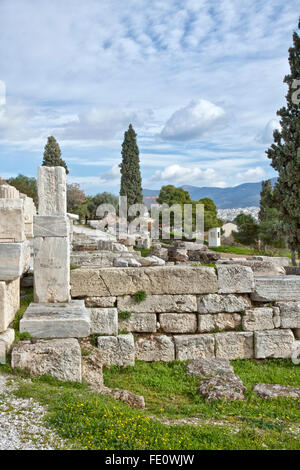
(194, 120)
(252, 174)
(182, 175)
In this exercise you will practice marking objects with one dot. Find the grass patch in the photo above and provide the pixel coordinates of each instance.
(124, 315)
(243, 250)
(140, 296)
(91, 421)
(144, 251)
(24, 304)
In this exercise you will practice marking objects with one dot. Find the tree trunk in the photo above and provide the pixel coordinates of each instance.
(293, 255)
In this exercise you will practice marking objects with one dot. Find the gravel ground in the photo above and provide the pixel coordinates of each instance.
(21, 422)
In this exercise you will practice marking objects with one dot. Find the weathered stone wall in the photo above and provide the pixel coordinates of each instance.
(189, 312)
(15, 210)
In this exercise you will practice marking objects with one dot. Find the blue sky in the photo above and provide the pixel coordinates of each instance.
(200, 81)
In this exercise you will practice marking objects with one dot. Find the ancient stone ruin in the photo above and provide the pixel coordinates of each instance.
(161, 307)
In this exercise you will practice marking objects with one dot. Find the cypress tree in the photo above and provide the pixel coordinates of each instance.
(285, 156)
(131, 180)
(52, 154)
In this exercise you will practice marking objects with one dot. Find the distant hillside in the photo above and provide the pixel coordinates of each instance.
(244, 195)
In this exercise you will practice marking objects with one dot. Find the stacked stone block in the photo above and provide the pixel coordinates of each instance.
(51, 238)
(14, 260)
(190, 312)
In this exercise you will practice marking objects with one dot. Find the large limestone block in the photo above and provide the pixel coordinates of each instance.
(159, 304)
(60, 358)
(51, 270)
(258, 319)
(273, 343)
(9, 302)
(259, 267)
(278, 260)
(194, 346)
(117, 350)
(155, 348)
(234, 345)
(139, 322)
(280, 288)
(153, 280)
(178, 322)
(216, 303)
(50, 226)
(29, 209)
(104, 321)
(12, 228)
(218, 321)
(64, 320)
(14, 259)
(52, 190)
(289, 314)
(234, 278)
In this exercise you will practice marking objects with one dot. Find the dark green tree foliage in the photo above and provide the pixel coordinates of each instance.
(285, 155)
(131, 180)
(270, 232)
(52, 154)
(171, 195)
(25, 185)
(248, 230)
(266, 199)
(102, 198)
(210, 214)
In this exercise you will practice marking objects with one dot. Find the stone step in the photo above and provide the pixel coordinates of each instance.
(69, 320)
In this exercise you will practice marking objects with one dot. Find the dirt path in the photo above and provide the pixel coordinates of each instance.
(21, 422)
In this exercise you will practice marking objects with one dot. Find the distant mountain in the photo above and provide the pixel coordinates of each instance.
(243, 195)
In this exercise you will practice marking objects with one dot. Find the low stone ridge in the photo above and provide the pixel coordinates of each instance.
(60, 358)
(153, 280)
(132, 400)
(273, 343)
(209, 367)
(234, 279)
(234, 345)
(117, 350)
(104, 321)
(159, 304)
(139, 322)
(280, 288)
(219, 387)
(194, 346)
(216, 303)
(155, 348)
(275, 391)
(70, 320)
